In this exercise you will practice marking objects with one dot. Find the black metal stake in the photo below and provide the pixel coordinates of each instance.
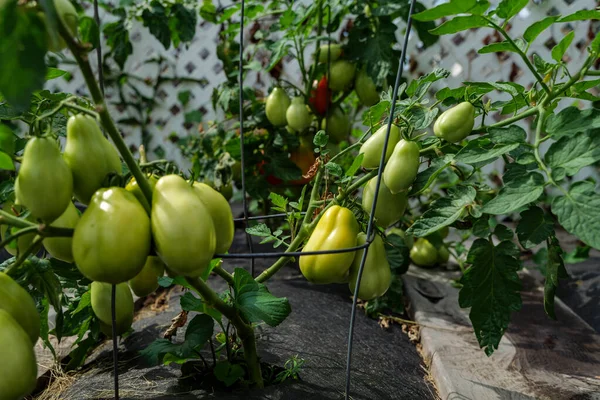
(99, 49)
(115, 340)
(374, 205)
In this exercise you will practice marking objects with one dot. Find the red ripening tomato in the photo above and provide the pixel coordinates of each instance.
(320, 98)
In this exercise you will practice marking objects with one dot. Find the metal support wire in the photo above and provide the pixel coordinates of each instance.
(374, 205)
(113, 310)
(99, 49)
(241, 97)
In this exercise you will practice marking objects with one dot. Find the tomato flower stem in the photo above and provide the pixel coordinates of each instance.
(80, 54)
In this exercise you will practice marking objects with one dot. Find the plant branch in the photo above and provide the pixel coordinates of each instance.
(8, 219)
(37, 241)
(508, 121)
(80, 54)
(14, 236)
(223, 274)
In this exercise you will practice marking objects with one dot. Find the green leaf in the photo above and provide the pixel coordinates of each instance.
(425, 81)
(534, 227)
(321, 139)
(397, 253)
(278, 201)
(503, 232)
(156, 351)
(208, 11)
(259, 230)
(559, 50)
(452, 7)
(458, 24)
(497, 142)
(117, 38)
(577, 255)
(89, 32)
(23, 46)
(53, 73)
(509, 8)
(352, 169)
(6, 162)
(426, 177)
(581, 15)
(228, 373)
(571, 153)
(279, 49)
(156, 20)
(182, 24)
(500, 46)
(555, 270)
(199, 330)
(491, 288)
(578, 212)
(515, 194)
(534, 30)
(334, 169)
(572, 120)
(256, 303)
(443, 211)
(192, 117)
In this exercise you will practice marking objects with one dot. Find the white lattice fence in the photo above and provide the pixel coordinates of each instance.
(457, 53)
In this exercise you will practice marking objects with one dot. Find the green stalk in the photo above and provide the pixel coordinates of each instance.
(244, 329)
(508, 121)
(224, 274)
(9, 219)
(80, 54)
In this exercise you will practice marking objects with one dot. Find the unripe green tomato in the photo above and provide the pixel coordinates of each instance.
(365, 89)
(134, 188)
(23, 241)
(182, 227)
(277, 104)
(341, 75)
(390, 207)
(402, 167)
(337, 125)
(45, 183)
(112, 238)
(444, 232)
(373, 146)
(408, 239)
(456, 123)
(15, 300)
(377, 274)
(443, 255)
(330, 55)
(146, 281)
(62, 247)
(68, 15)
(18, 369)
(297, 115)
(221, 214)
(101, 296)
(423, 253)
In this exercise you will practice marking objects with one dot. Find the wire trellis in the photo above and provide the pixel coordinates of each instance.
(246, 218)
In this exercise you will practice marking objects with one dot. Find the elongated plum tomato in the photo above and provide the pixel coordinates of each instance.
(18, 369)
(365, 89)
(320, 97)
(456, 123)
(62, 247)
(101, 295)
(341, 75)
(112, 238)
(402, 167)
(220, 212)
(297, 115)
(330, 52)
(373, 146)
(15, 300)
(390, 207)
(337, 125)
(182, 227)
(146, 281)
(377, 274)
(44, 184)
(277, 104)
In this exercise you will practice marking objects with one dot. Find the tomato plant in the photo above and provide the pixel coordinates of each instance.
(171, 219)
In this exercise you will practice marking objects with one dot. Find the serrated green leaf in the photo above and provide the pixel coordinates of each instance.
(278, 200)
(534, 30)
(555, 270)
(559, 50)
(581, 15)
(487, 148)
(452, 7)
(433, 76)
(259, 230)
(458, 24)
(498, 47)
(117, 38)
(572, 153)
(515, 194)
(572, 120)
(53, 73)
(397, 253)
(503, 232)
(509, 8)
(491, 288)
(534, 227)
(578, 212)
(443, 211)
(256, 303)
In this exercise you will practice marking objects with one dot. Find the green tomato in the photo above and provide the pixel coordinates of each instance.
(298, 115)
(365, 89)
(443, 255)
(146, 281)
(134, 188)
(402, 167)
(390, 207)
(423, 253)
(15, 300)
(44, 184)
(220, 212)
(341, 75)
(182, 227)
(337, 125)
(408, 239)
(89, 155)
(330, 53)
(101, 296)
(18, 370)
(277, 104)
(62, 247)
(377, 274)
(112, 238)
(456, 123)
(373, 146)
